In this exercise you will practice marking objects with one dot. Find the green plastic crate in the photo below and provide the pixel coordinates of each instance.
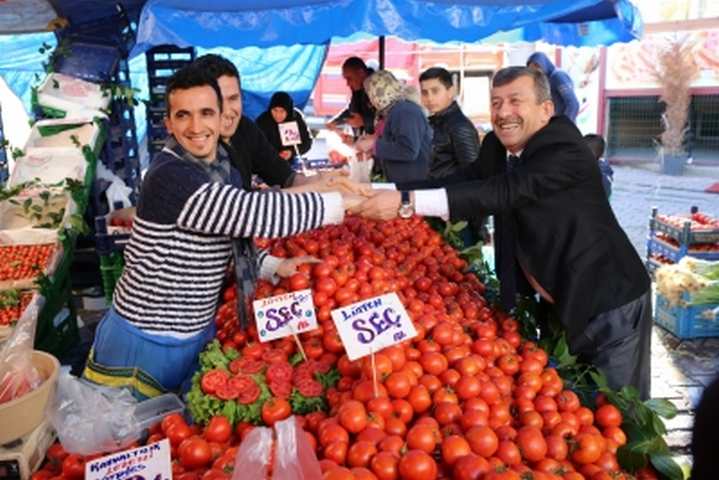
(111, 267)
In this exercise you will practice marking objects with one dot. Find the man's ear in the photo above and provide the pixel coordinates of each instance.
(168, 124)
(548, 108)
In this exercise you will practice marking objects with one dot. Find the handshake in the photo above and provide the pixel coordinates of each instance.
(357, 198)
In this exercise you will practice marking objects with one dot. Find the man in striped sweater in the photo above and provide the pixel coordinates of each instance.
(190, 215)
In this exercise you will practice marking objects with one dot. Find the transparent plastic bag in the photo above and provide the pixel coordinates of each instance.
(91, 419)
(294, 458)
(18, 376)
(253, 455)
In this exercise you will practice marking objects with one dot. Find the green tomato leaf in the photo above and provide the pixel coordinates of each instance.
(662, 407)
(630, 460)
(666, 465)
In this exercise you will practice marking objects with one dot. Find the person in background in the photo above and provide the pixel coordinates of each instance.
(560, 83)
(557, 230)
(250, 151)
(282, 109)
(403, 148)
(192, 217)
(360, 113)
(597, 145)
(455, 141)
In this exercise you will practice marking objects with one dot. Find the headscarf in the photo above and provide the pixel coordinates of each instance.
(541, 59)
(383, 90)
(283, 100)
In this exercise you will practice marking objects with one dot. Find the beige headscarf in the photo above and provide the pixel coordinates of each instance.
(383, 90)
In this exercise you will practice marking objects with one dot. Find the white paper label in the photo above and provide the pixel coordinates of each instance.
(151, 462)
(290, 133)
(285, 314)
(370, 325)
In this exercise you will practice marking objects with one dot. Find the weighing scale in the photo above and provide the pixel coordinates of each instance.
(20, 458)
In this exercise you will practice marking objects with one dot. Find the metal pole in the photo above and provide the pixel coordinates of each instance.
(381, 51)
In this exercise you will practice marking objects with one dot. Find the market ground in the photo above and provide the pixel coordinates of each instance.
(680, 369)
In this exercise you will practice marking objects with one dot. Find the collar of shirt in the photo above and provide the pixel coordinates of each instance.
(518, 154)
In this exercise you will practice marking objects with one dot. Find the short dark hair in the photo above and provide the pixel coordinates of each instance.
(190, 76)
(509, 74)
(596, 144)
(355, 63)
(441, 74)
(217, 66)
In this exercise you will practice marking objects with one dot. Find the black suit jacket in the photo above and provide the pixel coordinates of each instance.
(565, 232)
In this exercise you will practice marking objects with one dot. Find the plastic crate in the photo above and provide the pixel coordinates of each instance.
(685, 322)
(107, 242)
(89, 61)
(683, 234)
(111, 267)
(675, 253)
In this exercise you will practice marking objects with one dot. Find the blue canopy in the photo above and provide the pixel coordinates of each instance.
(264, 23)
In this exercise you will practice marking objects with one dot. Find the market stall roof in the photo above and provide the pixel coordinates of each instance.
(263, 23)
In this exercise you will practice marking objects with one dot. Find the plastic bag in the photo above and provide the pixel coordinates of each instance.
(294, 458)
(253, 456)
(91, 419)
(18, 376)
(118, 192)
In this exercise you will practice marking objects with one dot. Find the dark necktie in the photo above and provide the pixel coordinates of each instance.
(512, 162)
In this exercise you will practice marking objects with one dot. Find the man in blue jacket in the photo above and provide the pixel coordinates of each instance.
(560, 84)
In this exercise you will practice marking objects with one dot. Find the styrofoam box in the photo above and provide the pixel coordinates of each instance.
(49, 168)
(71, 94)
(87, 133)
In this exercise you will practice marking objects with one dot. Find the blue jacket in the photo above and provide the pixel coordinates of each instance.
(565, 101)
(404, 149)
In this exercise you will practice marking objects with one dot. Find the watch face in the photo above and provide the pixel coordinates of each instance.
(405, 211)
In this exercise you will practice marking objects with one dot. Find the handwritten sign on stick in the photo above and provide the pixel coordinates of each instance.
(285, 315)
(370, 325)
(290, 134)
(150, 462)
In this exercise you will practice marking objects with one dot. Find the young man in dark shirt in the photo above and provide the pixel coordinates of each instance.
(455, 142)
(250, 153)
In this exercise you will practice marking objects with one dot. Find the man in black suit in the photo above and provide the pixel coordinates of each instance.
(556, 229)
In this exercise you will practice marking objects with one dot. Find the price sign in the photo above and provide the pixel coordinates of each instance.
(289, 133)
(284, 315)
(151, 462)
(370, 325)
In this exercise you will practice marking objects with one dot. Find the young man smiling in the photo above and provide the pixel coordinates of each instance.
(555, 228)
(455, 142)
(192, 218)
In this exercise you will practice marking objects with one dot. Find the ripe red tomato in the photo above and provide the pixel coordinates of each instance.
(608, 416)
(417, 465)
(218, 430)
(275, 409)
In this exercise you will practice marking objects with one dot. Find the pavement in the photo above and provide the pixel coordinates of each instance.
(680, 369)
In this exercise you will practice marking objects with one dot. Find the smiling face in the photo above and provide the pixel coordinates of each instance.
(435, 96)
(194, 120)
(516, 113)
(231, 105)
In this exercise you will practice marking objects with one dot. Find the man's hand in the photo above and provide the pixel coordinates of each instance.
(383, 205)
(355, 120)
(345, 185)
(365, 143)
(288, 267)
(351, 202)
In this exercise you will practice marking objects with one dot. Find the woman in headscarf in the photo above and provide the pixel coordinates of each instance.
(281, 110)
(404, 137)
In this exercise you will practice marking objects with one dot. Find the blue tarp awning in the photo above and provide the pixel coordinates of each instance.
(265, 23)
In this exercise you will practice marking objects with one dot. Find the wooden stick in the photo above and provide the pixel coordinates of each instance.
(374, 374)
(299, 344)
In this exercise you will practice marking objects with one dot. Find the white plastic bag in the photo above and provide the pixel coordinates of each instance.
(294, 457)
(118, 191)
(253, 455)
(91, 419)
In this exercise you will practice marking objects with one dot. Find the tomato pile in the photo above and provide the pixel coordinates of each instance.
(466, 399)
(699, 221)
(18, 262)
(12, 304)
(694, 247)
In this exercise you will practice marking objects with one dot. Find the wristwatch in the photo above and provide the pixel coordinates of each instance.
(406, 208)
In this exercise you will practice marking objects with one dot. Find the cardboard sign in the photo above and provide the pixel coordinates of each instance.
(370, 325)
(283, 315)
(151, 462)
(290, 133)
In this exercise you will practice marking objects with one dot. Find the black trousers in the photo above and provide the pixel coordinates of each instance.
(618, 343)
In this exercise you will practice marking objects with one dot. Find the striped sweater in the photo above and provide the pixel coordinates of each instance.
(180, 247)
